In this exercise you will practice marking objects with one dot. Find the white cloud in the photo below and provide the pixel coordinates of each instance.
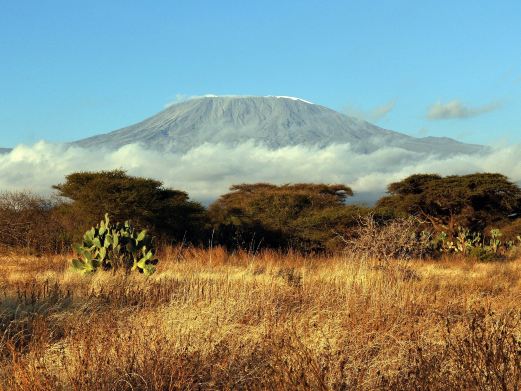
(209, 170)
(178, 99)
(372, 115)
(457, 110)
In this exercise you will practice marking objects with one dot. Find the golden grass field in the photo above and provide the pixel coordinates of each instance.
(214, 321)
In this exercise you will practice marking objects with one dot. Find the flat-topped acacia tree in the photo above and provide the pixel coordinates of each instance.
(303, 216)
(145, 202)
(474, 201)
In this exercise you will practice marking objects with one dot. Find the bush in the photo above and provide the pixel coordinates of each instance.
(30, 222)
(115, 246)
(474, 245)
(511, 230)
(400, 238)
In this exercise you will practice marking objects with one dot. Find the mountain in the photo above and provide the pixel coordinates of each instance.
(273, 121)
(5, 150)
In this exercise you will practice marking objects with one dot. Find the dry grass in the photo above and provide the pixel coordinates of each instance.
(210, 320)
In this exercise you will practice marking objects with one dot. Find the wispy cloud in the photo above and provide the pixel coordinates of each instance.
(208, 171)
(178, 99)
(372, 115)
(455, 109)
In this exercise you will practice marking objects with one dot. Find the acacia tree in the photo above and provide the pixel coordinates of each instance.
(146, 202)
(474, 201)
(303, 216)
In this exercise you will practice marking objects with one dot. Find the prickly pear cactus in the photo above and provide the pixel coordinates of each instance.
(115, 246)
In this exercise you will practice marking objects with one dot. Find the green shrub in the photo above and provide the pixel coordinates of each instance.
(474, 245)
(115, 246)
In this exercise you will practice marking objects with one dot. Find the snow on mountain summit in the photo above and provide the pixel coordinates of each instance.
(291, 98)
(273, 121)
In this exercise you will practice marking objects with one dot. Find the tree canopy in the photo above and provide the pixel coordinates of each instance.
(474, 201)
(302, 215)
(145, 202)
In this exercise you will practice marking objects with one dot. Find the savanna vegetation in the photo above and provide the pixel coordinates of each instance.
(119, 283)
(215, 320)
(307, 218)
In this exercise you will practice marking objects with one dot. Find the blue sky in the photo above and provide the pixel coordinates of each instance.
(69, 70)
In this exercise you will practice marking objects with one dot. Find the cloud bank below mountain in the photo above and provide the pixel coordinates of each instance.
(208, 171)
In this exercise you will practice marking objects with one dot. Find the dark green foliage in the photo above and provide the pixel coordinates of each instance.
(302, 216)
(115, 246)
(474, 201)
(168, 213)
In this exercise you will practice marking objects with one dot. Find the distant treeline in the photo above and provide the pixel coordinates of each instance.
(304, 217)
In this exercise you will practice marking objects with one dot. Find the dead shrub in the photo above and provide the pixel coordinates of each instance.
(400, 238)
(29, 222)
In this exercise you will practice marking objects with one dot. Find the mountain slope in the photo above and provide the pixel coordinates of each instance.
(273, 121)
